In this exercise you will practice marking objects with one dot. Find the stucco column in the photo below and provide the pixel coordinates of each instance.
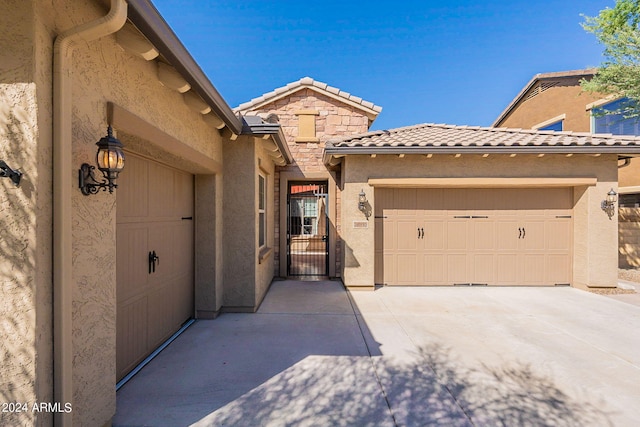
(603, 238)
(358, 233)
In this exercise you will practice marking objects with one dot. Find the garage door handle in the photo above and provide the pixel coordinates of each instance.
(520, 231)
(422, 231)
(153, 259)
(524, 232)
(462, 216)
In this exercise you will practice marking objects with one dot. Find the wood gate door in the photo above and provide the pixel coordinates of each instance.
(155, 279)
(307, 230)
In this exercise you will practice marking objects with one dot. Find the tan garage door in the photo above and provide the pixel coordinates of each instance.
(154, 214)
(473, 236)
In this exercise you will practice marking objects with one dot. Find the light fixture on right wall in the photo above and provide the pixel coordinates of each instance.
(609, 204)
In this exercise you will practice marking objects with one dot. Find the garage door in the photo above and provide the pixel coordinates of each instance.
(510, 236)
(154, 298)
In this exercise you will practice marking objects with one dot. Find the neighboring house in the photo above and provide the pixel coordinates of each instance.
(92, 284)
(555, 101)
(307, 198)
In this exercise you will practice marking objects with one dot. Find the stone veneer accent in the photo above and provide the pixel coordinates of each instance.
(334, 119)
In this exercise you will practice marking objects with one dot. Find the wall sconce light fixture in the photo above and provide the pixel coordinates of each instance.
(362, 201)
(609, 204)
(110, 159)
(7, 172)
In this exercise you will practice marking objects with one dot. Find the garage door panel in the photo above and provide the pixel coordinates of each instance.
(534, 236)
(506, 269)
(152, 304)
(507, 235)
(160, 315)
(458, 236)
(131, 271)
(457, 271)
(389, 273)
(407, 269)
(494, 236)
(131, 339)
(558, 269)
(162, 242)
(483, 267)
(132, 194)
(161, 190)
(533, 269)
(406, 235)
(484, 234)
(433, 267)
(559, 235)
(434, 236)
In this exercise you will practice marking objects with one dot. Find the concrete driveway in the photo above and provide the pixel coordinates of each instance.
(317, 355)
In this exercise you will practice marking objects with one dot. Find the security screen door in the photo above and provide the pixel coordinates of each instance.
(307, 230)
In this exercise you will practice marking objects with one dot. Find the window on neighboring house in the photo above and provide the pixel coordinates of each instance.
(262, 206)
(557, 126)
(615, 123)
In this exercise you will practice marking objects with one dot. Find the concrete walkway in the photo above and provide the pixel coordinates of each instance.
(315, 355)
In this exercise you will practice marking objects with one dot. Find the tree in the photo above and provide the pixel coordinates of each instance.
(618, 29)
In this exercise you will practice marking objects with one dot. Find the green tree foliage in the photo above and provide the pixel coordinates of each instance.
(618, 30)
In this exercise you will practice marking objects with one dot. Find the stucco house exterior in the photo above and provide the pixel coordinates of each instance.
(555, 101)
(91, 284)
(213, 203)
(310, 113)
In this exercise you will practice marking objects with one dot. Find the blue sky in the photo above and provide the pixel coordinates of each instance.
(457, 62)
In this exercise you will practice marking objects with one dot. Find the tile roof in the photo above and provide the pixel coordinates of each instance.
(542, 76)
(442, 138)
(308, 82)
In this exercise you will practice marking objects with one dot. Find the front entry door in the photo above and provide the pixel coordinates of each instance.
(307, 230)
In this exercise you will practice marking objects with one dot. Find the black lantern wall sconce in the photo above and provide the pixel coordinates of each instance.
(609, 204)
(110, 160)
(13, 174)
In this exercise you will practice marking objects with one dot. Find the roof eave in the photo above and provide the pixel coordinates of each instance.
(147, 19)
(334, 152)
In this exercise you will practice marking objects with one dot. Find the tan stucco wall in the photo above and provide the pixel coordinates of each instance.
(565, 98)
(25, 245)
(248, 270)
(595, 236)
(101, 72)
(333, 119)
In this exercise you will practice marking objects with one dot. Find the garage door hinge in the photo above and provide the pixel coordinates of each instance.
(563, 216)
(377, 216)
(562, 284)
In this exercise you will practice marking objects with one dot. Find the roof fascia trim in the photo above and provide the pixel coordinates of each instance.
(147, 19)
(483, 182)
